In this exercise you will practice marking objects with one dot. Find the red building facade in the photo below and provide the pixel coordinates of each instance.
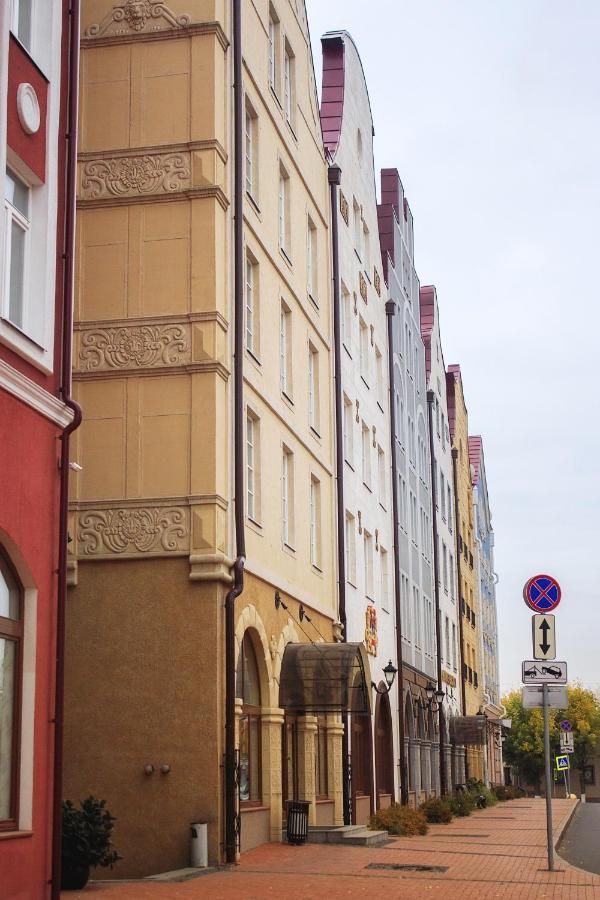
(37, 112)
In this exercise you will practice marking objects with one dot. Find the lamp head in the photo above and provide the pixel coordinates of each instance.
(390, 673)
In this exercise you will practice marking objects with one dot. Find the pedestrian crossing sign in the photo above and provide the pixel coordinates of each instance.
(562, 762)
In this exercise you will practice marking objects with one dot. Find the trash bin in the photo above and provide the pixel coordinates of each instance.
(297, 821)
(198, 845)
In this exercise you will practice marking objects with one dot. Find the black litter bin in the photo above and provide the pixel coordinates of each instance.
(297, 821)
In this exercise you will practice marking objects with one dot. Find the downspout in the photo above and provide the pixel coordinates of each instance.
(390, 309)
(334, 177)
(463, 693)
(231, 814)
(65, 393)
(438, 614)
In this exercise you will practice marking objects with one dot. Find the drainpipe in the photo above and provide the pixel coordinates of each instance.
(65, 393)
(334, 176)
(390, 309)
(463, 693)
(231, 813)
(438, 615)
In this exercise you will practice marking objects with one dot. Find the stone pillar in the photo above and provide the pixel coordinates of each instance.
(461, 770)
(448, 756)
(307, 789)
(435, 768)
(272, 722)
(335, 767)
(426, 767)
(414, 749)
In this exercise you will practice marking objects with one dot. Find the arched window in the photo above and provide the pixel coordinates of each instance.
(248, 688)
(11, 636)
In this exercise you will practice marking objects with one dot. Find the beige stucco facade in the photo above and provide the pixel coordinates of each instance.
(152, 509)
(468, 589)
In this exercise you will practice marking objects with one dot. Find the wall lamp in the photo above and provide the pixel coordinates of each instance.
(390, 674)
(434, 698)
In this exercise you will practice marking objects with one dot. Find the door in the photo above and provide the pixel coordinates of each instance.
(384, 752)
(362, 774)
(289, 762)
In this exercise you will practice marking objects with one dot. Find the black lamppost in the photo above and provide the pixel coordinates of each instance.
(390, 673)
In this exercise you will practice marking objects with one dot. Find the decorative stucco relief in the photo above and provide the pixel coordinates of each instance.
(139, 346)
(135, 15)
(143, 530)
(127, 176)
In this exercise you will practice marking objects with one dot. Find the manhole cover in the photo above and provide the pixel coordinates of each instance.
(400, 867)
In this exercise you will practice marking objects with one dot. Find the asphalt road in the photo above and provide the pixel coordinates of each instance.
(581, 844)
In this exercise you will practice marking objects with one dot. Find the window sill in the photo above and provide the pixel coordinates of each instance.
(351, 583)
(368, 487)
(380, 407)
(254, 358)
(315, 432)
(316, 569)
(14, 835)
(254, 525)
(283, 253)
(364, 381)
(349, 464)
(288, 548)
(287, 398)
(347, 351)
(275, 95)
(314, 302)
(253, 203)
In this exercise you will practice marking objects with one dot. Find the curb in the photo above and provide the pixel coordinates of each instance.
(564, 828)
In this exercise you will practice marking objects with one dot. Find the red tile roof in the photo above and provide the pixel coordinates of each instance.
(428, 308)
(332, 94)
(452, 377)
(475, 454)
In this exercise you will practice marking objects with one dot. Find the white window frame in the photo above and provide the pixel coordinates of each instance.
(368, 562)
(350, 548)
(315, 515)
(287, 497)
(21, 220)
(348, 431)
(366, 454)
(252, 466)
(313, 388)
(285, 344)
(252, 306)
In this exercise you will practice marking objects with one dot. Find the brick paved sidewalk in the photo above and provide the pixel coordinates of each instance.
(498, 852)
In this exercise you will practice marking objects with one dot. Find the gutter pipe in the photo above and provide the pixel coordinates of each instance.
(65, 393)
(231, 812)
(390, 309)
(438, 615)
(334, 176)
(463, 693)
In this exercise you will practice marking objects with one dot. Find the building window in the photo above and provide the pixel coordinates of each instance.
(450, 518)
(443, 494)
(313, 388)
(402, 499)
(357, 227)
(454, 646)
(252, 311)
(321, 774)
(311, 260)
(21, 21)
(417, 617)
(248, 689)
(452, 576)
(348, 431)
(364, 350)
(350, 548)
(273, 50)
(382, 476)
(251, 151)
(443, 432)
(16, 205)
(289, 86)
(11, 638)
(253, 466)
(366, 455)
(447, 643)
(366, 246)
(346, 319)
(383, 559)
(285, 349)
(284, 211)
(412, 451)
(379, 375)
(315, 521)
(287, 497)
(368, 551)
(413, 518)
(445, 565)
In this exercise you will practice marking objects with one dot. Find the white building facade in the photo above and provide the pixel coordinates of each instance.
(368, 535)
(414, 538)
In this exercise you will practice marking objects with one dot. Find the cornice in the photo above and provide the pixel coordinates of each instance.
(33, 395)
(140, 503)
(207, 316)
(170, 34)
(189, 194)
(189, 146)
(188, 369)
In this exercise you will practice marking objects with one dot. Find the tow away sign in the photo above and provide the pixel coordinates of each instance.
(536, 672)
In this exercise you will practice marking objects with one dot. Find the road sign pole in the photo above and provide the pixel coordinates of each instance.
(566, 788)
(548, 780)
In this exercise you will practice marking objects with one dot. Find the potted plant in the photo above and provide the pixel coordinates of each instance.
(86, 841)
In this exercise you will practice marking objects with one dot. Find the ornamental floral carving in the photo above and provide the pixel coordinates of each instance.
(137, 347)
(377, 281)
(135, 15)
(362, 282)
(163, 529)
(344, 208)
(371, 630)
(135, 175)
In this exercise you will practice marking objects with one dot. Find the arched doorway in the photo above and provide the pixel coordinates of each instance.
(248, 689)
(362, 773)
(409, 734)
(384, 753)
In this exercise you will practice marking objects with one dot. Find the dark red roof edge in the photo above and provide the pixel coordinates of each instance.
(332, 92)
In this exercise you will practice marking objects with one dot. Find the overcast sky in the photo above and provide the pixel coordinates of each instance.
(489, 109)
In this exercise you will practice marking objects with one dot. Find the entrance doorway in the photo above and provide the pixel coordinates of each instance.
(289, 762)
(362, 774)
(384, 753)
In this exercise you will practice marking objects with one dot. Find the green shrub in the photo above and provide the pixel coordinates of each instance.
(87, 835)
(437, 809)
(402, 820)
(503, 792)
(462, 804)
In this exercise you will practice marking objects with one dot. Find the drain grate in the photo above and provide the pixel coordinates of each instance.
(405, 867)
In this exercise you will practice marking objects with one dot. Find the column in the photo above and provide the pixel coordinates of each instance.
(426, 767)
(449, 769)
(335, 767)
(307, 730)
(272, 722)
(414, 750)
(435, 768)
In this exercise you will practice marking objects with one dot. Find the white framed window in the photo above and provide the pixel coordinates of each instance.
(21, 23)
(274, 38)
(253, 466)
(252, 306)
(17, 203)
(379, 375)
(364, 350)
(251, 151)
(284, 210)
(313, 388)
(311, 260)
(413, 518)
(287, 496)
(412, 450)
(285, 349)
(348, 431)
(454, 646)
(447, 641)
(402, 502)
(289, 86)
(417, 618)
(315, 521)
(382, 476)
(450, 511)
(437, 415)
(445, 565)
(385, 588)
(357, 219)
(350, 548)
(366, 455)
(368, 551)
(443, 494)
(346, 319)
(443, 432)
(366, 247)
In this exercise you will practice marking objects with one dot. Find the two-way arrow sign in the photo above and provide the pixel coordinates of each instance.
(544, 639)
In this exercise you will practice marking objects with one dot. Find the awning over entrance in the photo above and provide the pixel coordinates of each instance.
(468, 730)
(321, 678)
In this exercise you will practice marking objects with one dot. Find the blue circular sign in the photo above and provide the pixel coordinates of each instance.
(566, 725)
(542, 593)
